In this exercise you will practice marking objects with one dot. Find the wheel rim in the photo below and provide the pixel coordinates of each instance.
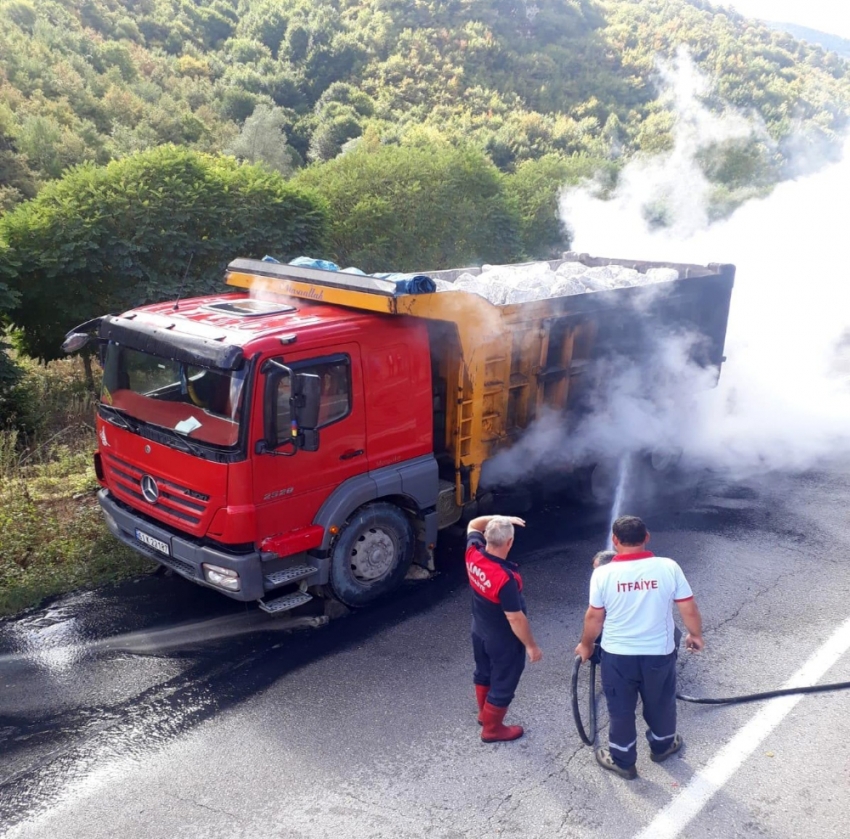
(373, 555)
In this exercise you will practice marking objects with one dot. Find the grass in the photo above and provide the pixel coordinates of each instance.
(52, 536)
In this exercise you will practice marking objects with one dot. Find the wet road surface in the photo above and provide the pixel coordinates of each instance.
(156, 708)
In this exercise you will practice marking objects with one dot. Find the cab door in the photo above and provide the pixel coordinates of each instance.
(291, 484)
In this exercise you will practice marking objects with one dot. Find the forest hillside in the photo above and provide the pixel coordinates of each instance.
(290, 82)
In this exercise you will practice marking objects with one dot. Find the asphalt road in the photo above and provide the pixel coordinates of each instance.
(157, 709)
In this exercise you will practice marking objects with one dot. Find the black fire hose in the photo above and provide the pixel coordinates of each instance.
(587, 739)
(588, 736)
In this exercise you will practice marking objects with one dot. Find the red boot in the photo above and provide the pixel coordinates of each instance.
(481, 692)
(494, 730)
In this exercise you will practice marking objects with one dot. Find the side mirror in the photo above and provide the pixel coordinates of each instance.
(80, 335)
(305, 393)
(306, 396)
(74, 342)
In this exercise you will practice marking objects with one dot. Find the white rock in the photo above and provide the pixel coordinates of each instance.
(445, 285)
(505, 284)
(600, 272)
(567, 286)
(595, 282)
(539, 277)
(570, 269)
(662, 275)
(624, 277)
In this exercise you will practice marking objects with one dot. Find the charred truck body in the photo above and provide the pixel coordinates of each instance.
(316, 430)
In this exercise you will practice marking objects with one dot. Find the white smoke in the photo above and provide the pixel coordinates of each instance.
(783, 400)
(669, 185)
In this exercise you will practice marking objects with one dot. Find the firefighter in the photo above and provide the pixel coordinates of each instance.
(603, 558)
(501, 635)
(632, 596)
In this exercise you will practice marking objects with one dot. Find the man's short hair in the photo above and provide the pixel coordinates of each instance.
(499, 531)
(603, 558)
(630, 531)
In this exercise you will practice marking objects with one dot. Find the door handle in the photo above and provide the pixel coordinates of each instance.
(351, 454)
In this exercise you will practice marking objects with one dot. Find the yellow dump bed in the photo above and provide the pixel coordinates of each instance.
(497, 367)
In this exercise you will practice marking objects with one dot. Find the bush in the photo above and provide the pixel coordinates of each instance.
(16, 404)
(156, 225)
(52, 534)
(536, 187)
(406, 208)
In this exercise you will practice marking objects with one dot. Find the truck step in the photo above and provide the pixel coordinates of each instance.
(289, 575)
(285, 603)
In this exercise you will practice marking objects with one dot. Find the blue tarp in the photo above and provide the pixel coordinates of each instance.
(413, 283)
(405, 283)
(307, 262)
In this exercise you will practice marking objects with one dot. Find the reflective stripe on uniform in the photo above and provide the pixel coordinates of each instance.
(622, 748)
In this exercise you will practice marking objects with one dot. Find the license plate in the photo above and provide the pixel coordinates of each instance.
(156, 544)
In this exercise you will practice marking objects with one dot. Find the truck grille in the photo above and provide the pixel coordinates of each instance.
(177, 504)
(178, 565)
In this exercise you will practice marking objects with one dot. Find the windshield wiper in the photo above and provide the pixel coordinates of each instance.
(176, 440)
(116, 417)
(159, 433)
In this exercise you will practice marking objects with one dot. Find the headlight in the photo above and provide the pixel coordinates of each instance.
(222, 577)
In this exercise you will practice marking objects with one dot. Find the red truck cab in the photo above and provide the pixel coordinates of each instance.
(205, 469)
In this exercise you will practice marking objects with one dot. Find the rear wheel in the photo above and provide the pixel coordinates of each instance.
(371, 555)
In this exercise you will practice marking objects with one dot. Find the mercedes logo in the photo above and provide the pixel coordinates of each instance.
(149, 489)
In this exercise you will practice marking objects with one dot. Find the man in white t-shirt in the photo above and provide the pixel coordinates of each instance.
(632, 597)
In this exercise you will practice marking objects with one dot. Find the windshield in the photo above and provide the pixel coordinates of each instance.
(196, 402)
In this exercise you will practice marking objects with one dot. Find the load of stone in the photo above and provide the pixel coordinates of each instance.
(506, 284)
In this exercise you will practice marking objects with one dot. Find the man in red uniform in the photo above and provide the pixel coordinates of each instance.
(501, 635)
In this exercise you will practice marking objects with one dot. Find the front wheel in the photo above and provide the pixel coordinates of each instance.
(372, 554)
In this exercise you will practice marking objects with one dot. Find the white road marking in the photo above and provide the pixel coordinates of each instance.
(676, 816)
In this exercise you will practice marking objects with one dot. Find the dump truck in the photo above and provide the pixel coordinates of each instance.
(309, 433)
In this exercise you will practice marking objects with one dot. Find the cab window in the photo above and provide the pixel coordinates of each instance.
(335, 377)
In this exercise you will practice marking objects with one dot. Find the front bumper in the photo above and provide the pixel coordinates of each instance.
(185, 556)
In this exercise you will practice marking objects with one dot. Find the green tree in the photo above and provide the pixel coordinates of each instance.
(10, 373)
(536, 187)
(105, 239)
(265, 21)
(94, 79)
(238, 104)
(263, 140)
(20, 12)
(337, 124)
(404, 208)
(16, 180)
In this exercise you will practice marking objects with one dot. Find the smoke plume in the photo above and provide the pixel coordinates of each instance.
(783, 399)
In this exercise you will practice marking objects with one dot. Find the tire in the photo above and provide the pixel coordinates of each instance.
(372, 554)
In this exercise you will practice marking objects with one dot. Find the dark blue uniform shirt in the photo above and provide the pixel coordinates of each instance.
(496, 588)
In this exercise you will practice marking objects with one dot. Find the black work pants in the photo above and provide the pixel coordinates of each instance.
(653, 678)
(498, 664)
